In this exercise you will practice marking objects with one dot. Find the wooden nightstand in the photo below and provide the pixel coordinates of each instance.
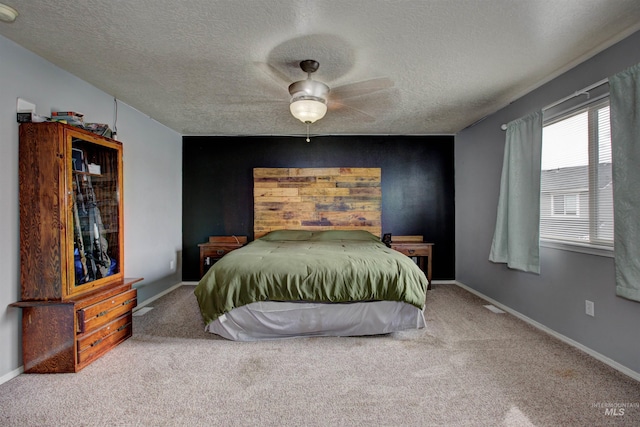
(216, 248)
(413, 246)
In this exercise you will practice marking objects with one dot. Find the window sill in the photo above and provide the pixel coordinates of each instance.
(605, 251)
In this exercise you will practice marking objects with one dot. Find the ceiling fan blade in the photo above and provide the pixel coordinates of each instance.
(356, 112)
(364, 87)
(374, 102)
(278, 76)
(250, 102)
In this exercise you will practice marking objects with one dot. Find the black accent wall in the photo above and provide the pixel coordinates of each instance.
(417, 185)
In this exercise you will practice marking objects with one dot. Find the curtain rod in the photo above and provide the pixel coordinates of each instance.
(583, 91)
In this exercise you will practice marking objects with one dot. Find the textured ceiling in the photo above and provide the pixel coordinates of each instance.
(202, 67)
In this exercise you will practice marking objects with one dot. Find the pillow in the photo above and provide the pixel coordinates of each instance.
(287, 235)
(344, 235)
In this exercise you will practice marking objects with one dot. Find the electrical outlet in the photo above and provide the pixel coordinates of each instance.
(172, 265)
(589, 308)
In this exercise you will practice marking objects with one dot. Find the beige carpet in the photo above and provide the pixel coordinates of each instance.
(469, 367)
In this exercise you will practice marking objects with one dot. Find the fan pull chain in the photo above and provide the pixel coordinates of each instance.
(308, 140)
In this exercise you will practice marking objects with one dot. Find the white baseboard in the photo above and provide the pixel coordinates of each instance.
(444, 282)
(604, 359)
(155, 297)
(11, 375)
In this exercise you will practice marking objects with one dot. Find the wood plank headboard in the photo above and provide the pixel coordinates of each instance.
(317, 199)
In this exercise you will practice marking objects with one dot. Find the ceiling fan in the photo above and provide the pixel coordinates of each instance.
(308, 97)
(311, 99)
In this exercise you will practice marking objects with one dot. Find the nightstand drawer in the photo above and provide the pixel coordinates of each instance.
(412, 250)
(218, 251)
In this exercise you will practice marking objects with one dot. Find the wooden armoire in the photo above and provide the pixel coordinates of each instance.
(76, 303)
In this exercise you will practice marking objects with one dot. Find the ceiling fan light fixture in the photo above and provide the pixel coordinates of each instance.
(7, 13)
(308, 109)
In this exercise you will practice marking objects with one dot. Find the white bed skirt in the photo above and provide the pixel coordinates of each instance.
(275, 320)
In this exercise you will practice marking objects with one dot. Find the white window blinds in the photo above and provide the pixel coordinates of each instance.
(576, 196)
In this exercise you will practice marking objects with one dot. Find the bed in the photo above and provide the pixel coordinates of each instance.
(293, 283)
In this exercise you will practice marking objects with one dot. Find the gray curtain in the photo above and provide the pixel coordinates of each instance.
(516, 240)
(625, 145)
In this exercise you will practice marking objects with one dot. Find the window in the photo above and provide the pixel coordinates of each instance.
(576, 194)
(565, 205)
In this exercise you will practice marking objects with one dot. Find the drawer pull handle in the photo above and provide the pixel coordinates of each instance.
(102, 313)
(411, 251)
(98, 341)
(122, 328)
(220, 251)
(129, 301)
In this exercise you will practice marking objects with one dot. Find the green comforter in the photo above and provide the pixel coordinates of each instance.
(321, 268)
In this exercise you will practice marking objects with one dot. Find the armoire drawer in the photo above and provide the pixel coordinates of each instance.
(99, 341)
(101, 313)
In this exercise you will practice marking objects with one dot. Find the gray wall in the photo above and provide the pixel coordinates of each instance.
(152, 186)
(556, 297)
